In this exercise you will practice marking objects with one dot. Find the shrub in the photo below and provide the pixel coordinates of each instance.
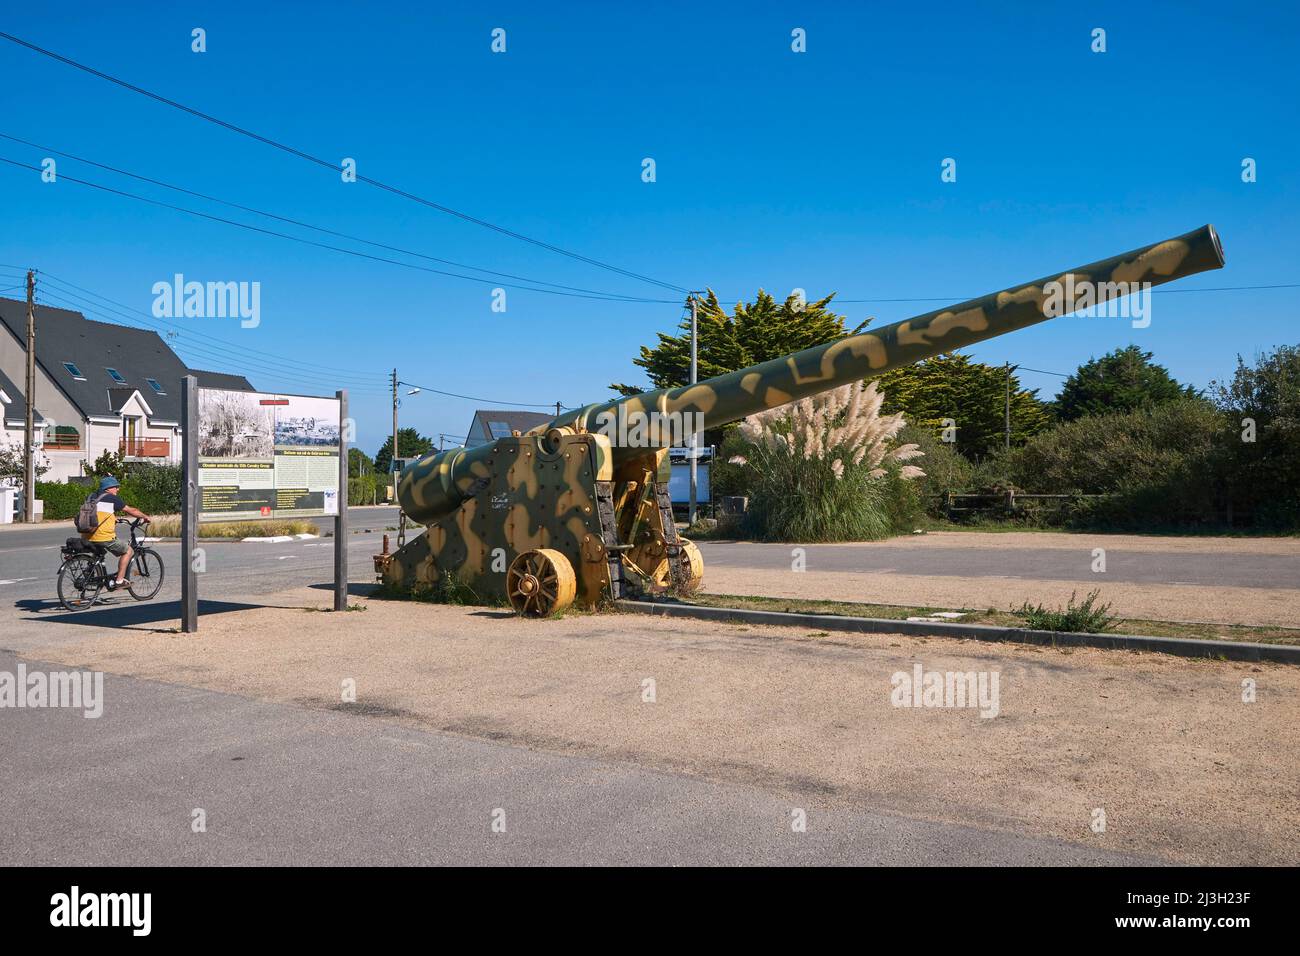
(1085, 618)
(825, 469)
(1263, 402)
(154, 489)
(366, 489)
(1157, 467)
(61, 501)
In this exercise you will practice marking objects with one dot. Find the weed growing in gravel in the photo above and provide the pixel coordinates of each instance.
(1084, 618)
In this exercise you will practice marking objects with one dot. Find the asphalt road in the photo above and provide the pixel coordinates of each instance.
(285, 785)
(29, 562)
(1052, 564)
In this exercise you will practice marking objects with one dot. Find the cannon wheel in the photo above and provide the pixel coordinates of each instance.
(541, 583)
(692, 568)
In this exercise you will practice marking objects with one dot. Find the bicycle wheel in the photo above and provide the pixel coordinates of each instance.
(146, 574)
(80, 579)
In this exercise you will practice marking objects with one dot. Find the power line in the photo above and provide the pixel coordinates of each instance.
(321, 229)
(313, 366)
(473, 398)
(307, 242)
(337, 167)
(209, 353)
(226, 353)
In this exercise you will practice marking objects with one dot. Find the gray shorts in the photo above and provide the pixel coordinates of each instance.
(117, 546)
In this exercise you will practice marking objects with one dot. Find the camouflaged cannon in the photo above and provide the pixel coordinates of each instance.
(578, 508)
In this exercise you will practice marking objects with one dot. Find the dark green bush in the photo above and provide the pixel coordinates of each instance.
(1158, 467)
(61, 501)
(154, 489)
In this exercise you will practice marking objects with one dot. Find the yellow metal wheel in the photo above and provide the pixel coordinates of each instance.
(692, 568)
(541, 583)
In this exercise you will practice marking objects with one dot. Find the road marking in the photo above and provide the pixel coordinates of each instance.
(15, 580)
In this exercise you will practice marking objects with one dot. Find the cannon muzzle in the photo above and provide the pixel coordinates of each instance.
(436, 485)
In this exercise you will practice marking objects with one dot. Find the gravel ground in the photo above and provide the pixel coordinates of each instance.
(1183, 769)
(1155, 602)
(1030, 540)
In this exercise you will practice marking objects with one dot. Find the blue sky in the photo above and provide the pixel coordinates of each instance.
(775, 169)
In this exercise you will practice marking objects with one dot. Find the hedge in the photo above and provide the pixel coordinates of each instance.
(154, 489)
(61, 501)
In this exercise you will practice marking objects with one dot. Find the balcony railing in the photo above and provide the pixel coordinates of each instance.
(144, 447)
(62, 441)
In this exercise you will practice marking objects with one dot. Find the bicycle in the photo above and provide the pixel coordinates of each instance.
(82, 575)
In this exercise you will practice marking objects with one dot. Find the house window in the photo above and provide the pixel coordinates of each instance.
(115, 375)
(74, 371)
(153, 383)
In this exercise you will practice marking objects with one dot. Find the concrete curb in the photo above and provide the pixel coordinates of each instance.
(1182, 647)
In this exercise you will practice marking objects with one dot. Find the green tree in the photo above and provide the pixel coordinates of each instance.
(1124, 380)
(410, 443)
(971, 395)
(359, 463)
(1261, 404)
(754, 332)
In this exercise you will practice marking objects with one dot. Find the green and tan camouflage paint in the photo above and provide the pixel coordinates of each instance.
(434, 486)
(486, 505)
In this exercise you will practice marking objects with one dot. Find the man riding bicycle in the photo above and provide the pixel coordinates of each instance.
(107, 504)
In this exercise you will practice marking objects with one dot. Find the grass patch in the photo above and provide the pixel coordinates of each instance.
(169, 526)
(1085, 618)
(447, 590)
(992, 616)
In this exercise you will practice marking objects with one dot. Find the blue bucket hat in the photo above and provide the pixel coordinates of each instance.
(108, 481)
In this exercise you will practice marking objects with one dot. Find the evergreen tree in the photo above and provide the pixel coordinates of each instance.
(754, 332)
(969, 394)
(1124, 380)
(410, 443)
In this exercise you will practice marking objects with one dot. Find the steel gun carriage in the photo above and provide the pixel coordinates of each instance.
(578, 508)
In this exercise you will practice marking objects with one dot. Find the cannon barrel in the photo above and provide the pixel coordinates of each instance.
(436, 485)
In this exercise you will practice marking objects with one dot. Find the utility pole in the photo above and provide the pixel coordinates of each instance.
(29, 432)
(392, 461)
(695, 369)
(558, 409)
(1010, 368)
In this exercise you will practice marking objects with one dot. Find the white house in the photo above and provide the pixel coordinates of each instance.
(99, 387)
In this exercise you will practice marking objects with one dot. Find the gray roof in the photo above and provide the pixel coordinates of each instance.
(234, 383)
(480, 426)
(93, 347)
(16, 409)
